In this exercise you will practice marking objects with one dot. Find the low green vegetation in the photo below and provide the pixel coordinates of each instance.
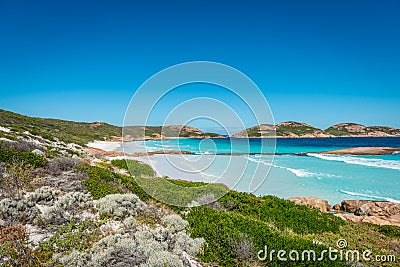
(295, 128)
(102, 182)
(282, 213)
(136, 168)
(10, 156)
(337, 132)
(74, 236)
(389, 230)
(52, 129)
(211, 134)
(253, 132)
(235, 239)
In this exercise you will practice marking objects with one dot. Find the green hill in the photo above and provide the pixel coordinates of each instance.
(292, 129)
(84, 132)
(58, 130)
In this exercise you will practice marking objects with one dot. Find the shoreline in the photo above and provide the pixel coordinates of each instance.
(109, 148)
(335, 207)
(120, 139)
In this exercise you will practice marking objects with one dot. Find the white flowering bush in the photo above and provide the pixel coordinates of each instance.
(118, 250)
(147, 245)
(44, 195)
(145, 248)
(68, 207)
(76, 259)
(74, 200)
(18, 210)
(183, 242)
(162, 259)
(130, 223)
(119, 205)
(174, 223)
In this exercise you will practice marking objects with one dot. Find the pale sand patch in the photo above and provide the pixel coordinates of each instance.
(105, 145)
(4, 129)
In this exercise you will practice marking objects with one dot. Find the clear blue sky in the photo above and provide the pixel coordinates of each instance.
(320, 62)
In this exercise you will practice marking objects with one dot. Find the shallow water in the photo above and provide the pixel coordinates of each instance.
(331, 177)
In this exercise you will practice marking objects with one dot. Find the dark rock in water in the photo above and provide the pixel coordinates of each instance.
(336, 207)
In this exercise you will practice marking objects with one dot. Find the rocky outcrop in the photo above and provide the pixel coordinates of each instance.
(292, 129)
(371, 208)
(312, 202)
(379, 220)
(132, 133)
(354, 129)
(376, 212)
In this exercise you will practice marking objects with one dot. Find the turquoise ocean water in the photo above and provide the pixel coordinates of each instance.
(293, 171)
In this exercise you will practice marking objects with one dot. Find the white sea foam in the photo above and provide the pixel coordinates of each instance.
(369, 196)
(378, 163)
(268, 163)
(305, 173)
(297, 172)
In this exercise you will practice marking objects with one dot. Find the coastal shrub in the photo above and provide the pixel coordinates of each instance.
(174, 223)
(21, 146)
(130, 223)
(2, 168)
(120, 163)
(207, 199)
(99, 188)
(162, 259)
(219, 228)
(284, 214)
(14, 247)
(102, 182)
(243, 248)
(136, 168)
(16, 178)
(19, 210)
(184, 243)
(119, 205)
(10, 156)
(68, 207)
(178, 196)
(60, 165)
(119, 249)
(71, 237)
(389, 230)
(143, 248)
(74, 200)
(75, 259)
(44, 195)
(147, 245)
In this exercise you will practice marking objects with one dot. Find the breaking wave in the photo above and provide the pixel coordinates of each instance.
(377, 163)
(305, 173)
(369, 196)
